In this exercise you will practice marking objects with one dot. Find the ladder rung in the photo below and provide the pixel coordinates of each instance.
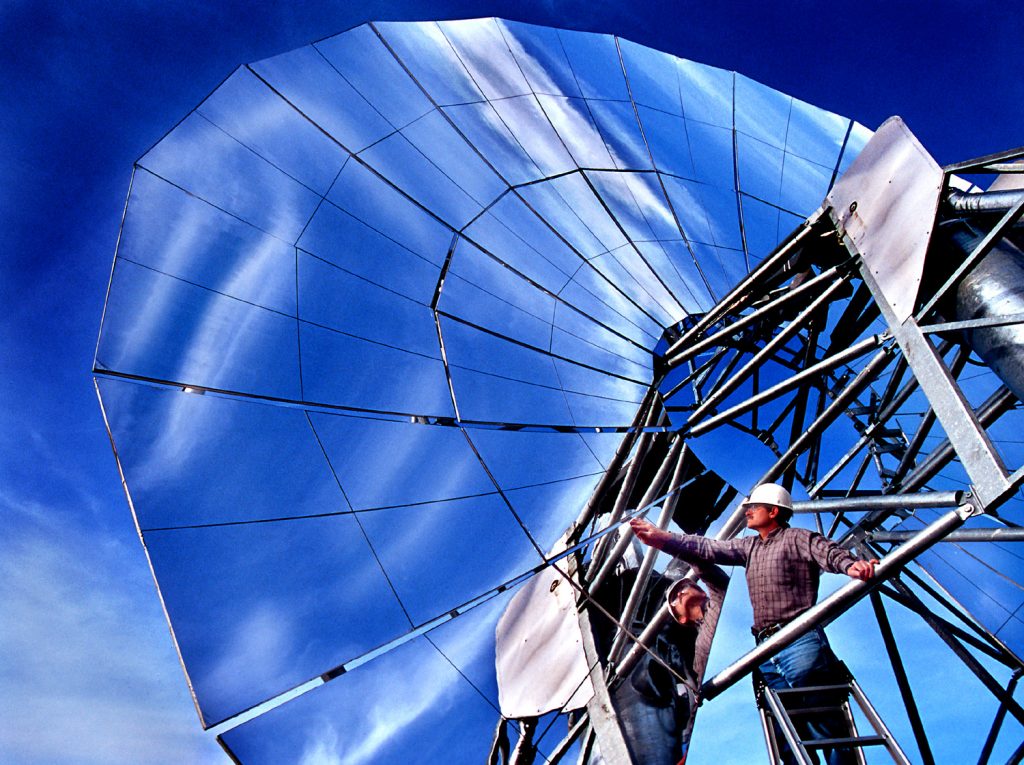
(812, 710)
(810, 703)
(821, 743)
(813, 688)
(817, 698)
(822, 699)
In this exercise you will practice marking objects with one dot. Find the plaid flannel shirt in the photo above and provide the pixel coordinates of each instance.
(782, 570)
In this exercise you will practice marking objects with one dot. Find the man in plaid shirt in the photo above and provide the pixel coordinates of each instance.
(783, 568)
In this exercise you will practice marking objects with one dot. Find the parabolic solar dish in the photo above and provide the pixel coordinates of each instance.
(383, 310)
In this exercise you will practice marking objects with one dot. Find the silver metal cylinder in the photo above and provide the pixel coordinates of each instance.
(965, 535)
(986, 202)
(882, 502)
(995, 287)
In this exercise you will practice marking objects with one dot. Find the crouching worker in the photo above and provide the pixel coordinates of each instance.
(655, 703)
(783, 566)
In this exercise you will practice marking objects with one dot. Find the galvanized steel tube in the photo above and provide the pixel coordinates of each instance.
(986, 202)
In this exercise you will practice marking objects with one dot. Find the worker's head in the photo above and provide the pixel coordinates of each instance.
(687, 602)
(768, 504)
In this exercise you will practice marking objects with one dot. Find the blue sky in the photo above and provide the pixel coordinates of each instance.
(90, 674)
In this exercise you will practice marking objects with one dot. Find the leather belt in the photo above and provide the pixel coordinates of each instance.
(766, 632)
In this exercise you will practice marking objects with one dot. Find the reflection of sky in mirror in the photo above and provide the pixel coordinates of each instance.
(387, 710)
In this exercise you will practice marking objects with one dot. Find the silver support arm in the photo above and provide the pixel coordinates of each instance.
(741, 292)
(964, 535)
(650, 556)
(560, 751)
(723, 335)
(788, 384)
(644, 415)
(882, 502)
(525, 751)
(838, 406)
(625, 532)
(626, 488)
(769, 349)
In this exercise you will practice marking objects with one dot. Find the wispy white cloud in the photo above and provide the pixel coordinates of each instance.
(379, 720)
(433, 689)
(322, 747)
(89, 674)
(264, 639)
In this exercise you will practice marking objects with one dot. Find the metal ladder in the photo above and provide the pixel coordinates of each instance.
(785, 706)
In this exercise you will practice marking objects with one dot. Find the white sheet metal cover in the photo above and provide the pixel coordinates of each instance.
(886, 202)
(539, 652)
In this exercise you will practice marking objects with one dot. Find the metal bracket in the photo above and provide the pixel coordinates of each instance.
(971, 507)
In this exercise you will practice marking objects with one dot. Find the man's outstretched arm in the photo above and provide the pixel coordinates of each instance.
(650, 534)
(691, 547)
(837, 560)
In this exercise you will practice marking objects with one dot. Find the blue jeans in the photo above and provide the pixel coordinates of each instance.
(810, 661)
(654, 727)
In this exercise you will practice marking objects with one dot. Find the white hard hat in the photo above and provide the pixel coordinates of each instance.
(678, 586)
(770, 494)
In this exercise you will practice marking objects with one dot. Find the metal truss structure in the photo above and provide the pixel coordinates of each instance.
(810, 357)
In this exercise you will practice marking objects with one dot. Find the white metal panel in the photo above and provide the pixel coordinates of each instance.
(886, 202)
(539, 653)
(962, 184)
